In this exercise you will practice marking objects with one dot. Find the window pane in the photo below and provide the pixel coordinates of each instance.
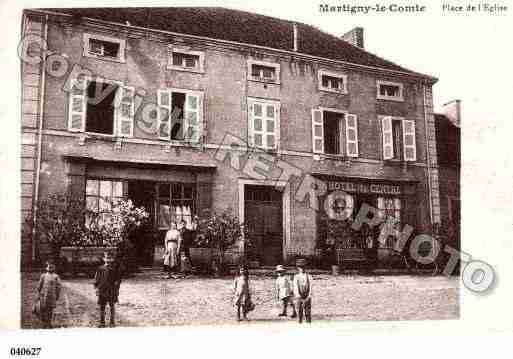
(258, 124)
(270, 126)
(92, 203)
(270, 141)
(190, 61)
(105, 188)
(92, 187)
(318, 144)
(164, 98)
(270, 111)
(409, 152)
(105, 204)
(164, 190)
(177, 59)
(118, 189)
(351, 122)
(257, 109)
(95, 46)
(125, 110)
(325, 81)
(352, 148)
(268, 72)
(408, 140)
(351, 134)
(318, 130)
(193, 102)
(258, 140)
(188, 191)
(176, 189)
(407, 126)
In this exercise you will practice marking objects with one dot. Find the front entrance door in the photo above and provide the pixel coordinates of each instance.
(263, 217)
(142, 193)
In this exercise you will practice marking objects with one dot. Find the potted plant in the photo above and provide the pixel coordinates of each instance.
(219, 232)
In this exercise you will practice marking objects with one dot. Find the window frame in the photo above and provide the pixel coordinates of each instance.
(98, 198)
(121, 58)
(402, 151)
(185, 51)
(339, 75)
(118, 100)
(251, 101)
(379, 96)
(343, 134)
(274, 65)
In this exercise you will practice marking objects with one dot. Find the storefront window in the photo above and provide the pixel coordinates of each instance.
(389, 207)
(176, 204)
(100, 196)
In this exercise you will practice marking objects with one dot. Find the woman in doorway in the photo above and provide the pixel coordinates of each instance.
(172, 244)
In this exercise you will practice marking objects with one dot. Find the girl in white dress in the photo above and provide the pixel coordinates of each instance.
(172, 244)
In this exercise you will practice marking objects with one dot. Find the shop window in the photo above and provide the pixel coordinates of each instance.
(264, 71)
(176, 204)
(180, 115)
(332, 82)
(264, 124)
(101, 107)
(398, 139)
(389, 209)
(334, 133)
(389, 91)
(186, 60)
(101, 195)
(104, 47)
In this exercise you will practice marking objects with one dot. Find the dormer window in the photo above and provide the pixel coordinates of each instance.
(104, 47)
(264, 71)
(186, 60)
(332, 82)
(389, 91)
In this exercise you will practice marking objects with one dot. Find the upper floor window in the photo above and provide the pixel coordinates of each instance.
(390, 91)
(101, 106)
(398, 139)
(333, 82)
(186, 60)
(104, 47)
(264, 71)
(264, 123)
(334, 132)
(180, 115)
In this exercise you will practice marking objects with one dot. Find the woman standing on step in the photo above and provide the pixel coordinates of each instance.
(172, 243)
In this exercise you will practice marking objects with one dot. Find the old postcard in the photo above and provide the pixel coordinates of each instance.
(193, 165)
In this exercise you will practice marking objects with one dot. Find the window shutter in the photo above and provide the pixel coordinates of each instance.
(164, 114)
(410, 148)
(204, 198)
(77, 105)
(351, 135)
(271, 126)
(125, 111)
(317, 132)
(388, 144)
(193, 118)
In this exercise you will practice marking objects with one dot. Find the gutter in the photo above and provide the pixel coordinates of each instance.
(39, 140)
(431, 79)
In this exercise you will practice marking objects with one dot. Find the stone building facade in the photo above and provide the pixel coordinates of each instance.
(187, 84)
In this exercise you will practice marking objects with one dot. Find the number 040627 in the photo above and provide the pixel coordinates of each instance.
(25, 351)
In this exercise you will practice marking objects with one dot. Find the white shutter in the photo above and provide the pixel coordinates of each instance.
(351, 135)
(125, 111)
(77, 105)
(410, 148)
(256, 124)
(193, 122)
(388, 143)
(164, 114)
(317, 132)
(271, 126)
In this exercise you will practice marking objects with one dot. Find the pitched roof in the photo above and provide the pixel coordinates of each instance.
(238, 26)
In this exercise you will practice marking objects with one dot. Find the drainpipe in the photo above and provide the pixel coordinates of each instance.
(426, 130)
(40, 139)
(294, 27)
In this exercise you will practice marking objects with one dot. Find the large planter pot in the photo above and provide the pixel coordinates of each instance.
(82, 260)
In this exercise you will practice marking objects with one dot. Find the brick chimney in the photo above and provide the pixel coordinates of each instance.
(452, 110)
(354, 37)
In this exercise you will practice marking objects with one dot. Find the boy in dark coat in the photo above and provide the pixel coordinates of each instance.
(49, 289)
(107, 281)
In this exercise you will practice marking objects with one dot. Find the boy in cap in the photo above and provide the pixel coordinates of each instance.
(107, 281)
(49, 289)
(284, 291)
(302, 286)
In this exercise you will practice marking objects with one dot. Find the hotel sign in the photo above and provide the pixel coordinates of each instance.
(352, 187)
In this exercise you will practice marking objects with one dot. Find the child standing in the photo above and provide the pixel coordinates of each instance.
(302, 284)
(107, 281)
(242, 299)
(284, 291)
(49, 290)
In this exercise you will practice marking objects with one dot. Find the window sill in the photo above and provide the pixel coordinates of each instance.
(105, 58)
(265, 81)
(395, 99)
(339, 92)
(184, 69)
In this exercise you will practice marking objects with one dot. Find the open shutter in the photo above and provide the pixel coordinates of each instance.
(164, 115)
(125, 112)
(351, 135)
(271, 126)
(256, 124)
(388, 144)
(77, 105)
(204, 198)
(193, 117)
(317, 132)
(410, 148)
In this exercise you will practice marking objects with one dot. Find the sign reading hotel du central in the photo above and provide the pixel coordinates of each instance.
(352, 187)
